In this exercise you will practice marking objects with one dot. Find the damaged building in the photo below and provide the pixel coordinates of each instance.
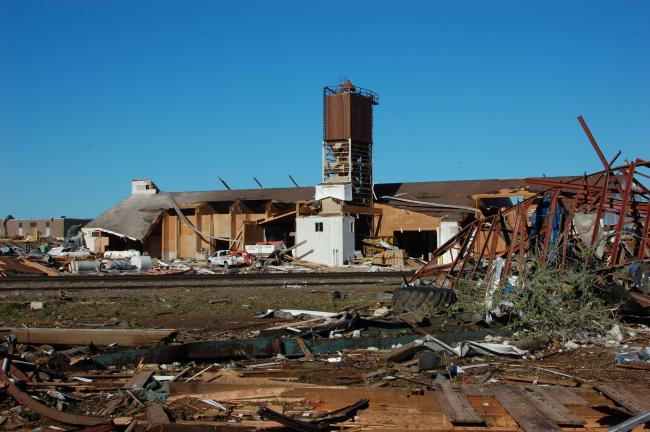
(331, 223)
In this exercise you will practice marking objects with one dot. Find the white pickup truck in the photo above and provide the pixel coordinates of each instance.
(263, 250)
(226, 258)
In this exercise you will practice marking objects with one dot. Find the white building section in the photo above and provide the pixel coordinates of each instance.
(340, 191)
(447, 229)
(329, 239)
(143, 187)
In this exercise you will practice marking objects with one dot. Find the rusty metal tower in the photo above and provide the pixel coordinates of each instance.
(347, 139)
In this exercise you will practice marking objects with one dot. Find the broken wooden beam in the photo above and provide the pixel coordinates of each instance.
(404, 352)
(156, 413)
(59, 416)
(514, 401)
(552, 408)
(455, 405)
(626, 395)
(303, 347)
(99, 337)
(291, 423)
(139, 380)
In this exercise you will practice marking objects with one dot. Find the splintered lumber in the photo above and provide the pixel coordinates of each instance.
(139, 380)
(455, 405)
(100, 337)
(514, 401)
(540, 380)
(289, 422)
(563, 395)
(51, 413)
(625, 395)
(36, 266)
(344, 413)
(227, 392)
(301, 343)
(205, 426)
(553, 409)
(156, 413)
(404, 352)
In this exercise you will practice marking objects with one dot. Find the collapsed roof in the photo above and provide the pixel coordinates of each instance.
(135, 216)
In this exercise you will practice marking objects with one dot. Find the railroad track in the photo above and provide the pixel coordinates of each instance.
(197, 281)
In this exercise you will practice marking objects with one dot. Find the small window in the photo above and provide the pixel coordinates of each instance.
(319, 227)
(351, 226)
(96, 233)
(32, 224)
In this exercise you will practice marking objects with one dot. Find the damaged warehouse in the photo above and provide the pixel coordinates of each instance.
(256, 243)
(413, 217)
(530, 313)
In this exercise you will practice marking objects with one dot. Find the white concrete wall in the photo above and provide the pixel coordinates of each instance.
(92, 243)
(341, 191)
(143, 187)
(447, 230)
(334, 246)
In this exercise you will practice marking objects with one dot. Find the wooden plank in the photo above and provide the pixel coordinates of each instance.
(555, 411)
(303, 348)
(139, 380)
(111, 406)
(478, 390)
(404, 352)
(541, 380)
(456, 406)
(156, 413)
(514, 401)
(563, 395)
(36, 266)
(101, 337)
(625, 395)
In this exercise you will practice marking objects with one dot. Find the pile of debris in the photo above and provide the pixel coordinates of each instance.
(312, 371)
(597, 224)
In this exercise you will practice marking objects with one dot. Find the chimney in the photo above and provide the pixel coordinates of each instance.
(143, 187)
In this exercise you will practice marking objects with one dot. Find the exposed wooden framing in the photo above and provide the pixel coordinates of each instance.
(351, 209)
(276, 217)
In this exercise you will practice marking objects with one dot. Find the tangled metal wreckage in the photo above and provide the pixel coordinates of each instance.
(381, 369)
(606, 213)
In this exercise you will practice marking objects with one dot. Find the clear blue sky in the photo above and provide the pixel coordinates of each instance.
(94, 93)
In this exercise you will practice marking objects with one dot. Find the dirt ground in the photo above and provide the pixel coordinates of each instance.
(211, 309)
(204, 313)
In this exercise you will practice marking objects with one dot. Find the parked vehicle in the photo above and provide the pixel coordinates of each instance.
(227, 258)
(264, 249)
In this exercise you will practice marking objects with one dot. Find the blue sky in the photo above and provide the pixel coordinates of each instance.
(94, 93)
